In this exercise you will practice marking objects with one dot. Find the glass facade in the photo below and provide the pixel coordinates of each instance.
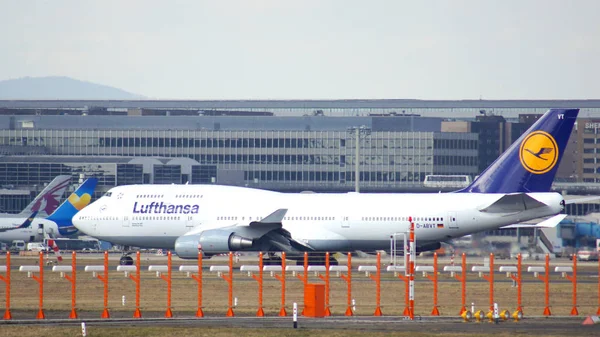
(270, 159)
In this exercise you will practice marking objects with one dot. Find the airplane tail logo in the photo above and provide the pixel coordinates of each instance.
(77, 200)
(539, 152)
(29, 220)
(49, 199)
(531, 162)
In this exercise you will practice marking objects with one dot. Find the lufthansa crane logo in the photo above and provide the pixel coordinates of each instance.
(538, 152)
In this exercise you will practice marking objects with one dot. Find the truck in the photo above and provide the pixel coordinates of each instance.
(17, 246)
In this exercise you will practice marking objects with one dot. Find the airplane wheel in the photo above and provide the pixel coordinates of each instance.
(126, 261)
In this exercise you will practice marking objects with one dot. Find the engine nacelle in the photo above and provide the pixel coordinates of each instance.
(212, 241)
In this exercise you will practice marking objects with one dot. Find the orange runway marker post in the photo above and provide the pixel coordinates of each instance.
(40, 280)
(463, 280)
(72, 279)
(546, 280)
(169, 312)
(198, 278)
(281, 278)
(136, 279)
(377, 279)
(31, 272)
(518, 281)
(304, 276)
(259, 279)
(326, 279)
(190, 270)
(547, 286)
(573, 279)
(229, 280)
(6, 280)
(348, 279)
(434, 278)
(104, 279)
(489, 278)
(463, 283)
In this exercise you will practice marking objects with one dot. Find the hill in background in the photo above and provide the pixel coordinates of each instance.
(59, 87)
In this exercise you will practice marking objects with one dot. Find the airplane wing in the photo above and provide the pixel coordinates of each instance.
(272, 233)
(266, 234)
(548, 223)
(25, 223)
(273, 218)
(512, 203)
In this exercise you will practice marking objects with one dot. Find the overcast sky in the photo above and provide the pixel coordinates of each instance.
(310, 49)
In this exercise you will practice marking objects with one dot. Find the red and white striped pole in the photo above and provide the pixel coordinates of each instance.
(411, 271)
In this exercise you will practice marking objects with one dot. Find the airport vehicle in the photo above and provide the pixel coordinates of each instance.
(58, 224)
(36, 247)
(17, 246)
(217, 219)
(47, 201)
(588, 254)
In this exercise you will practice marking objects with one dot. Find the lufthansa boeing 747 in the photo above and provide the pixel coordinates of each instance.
(217, 219)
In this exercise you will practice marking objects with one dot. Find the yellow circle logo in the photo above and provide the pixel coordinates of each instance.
(538, 152)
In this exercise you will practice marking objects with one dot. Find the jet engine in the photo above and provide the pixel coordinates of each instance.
(211, 241)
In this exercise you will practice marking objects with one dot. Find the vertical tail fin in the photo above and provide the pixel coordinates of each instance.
(48, 200)
(77, 200)
(531, 162)
(28, 221)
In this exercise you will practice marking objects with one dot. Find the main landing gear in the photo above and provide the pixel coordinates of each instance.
(272, 260)
(125, 259)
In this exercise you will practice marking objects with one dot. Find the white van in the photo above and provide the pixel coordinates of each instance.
(17, 246)
(35, 247)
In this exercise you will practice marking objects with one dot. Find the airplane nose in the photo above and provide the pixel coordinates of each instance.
(82, 221)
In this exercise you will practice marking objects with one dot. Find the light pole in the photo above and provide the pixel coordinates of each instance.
(358, 132)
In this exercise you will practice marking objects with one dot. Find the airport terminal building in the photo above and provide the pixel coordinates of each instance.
(277, 145)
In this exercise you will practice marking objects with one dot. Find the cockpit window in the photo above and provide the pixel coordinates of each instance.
(108, 194)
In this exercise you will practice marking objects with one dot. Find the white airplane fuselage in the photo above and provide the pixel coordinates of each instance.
(154, 216)
(29, 234)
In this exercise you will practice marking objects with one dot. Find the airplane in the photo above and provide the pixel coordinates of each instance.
(57, 224)
(46, 201)
(24, 224)
(216, 219)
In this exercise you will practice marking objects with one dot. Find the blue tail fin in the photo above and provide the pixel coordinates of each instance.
(28, 221)
(531, 162)
(77, 200)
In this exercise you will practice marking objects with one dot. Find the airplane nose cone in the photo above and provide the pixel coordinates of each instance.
(82, 221)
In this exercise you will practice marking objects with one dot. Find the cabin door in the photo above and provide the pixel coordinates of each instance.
(189, 222)
(345, 221)
(452, 221)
